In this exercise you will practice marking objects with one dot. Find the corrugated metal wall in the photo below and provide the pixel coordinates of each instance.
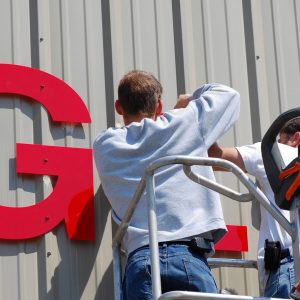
(250, 45)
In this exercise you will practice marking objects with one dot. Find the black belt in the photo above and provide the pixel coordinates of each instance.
(198, 244)
(284, 253)
(168, 243)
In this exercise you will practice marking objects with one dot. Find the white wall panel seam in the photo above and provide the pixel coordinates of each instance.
(108, 62)
(251, 69)
(178, 45)
(297, 21)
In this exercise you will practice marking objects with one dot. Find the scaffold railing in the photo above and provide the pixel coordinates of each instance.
(254, 194)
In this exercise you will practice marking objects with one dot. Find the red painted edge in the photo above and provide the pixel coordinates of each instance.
(60, 100)
(235, 240)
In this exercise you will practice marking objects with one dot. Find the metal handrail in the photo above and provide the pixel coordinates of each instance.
(147, 182)
(174, 295)
(207, 296)
(232, 262)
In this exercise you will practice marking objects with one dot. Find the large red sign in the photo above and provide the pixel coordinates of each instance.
(72, 199)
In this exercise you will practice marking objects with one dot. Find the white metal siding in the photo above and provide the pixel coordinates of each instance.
(250, 45)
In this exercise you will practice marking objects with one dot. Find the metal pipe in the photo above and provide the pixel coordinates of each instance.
(295, 217)
(153, 242)
(149, 177)
(227, 165)
(181, 295)
(117, 272)
(219, 188)
(129, 212)
(230, 262)
(269, 206)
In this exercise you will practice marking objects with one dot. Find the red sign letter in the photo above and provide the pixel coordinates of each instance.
(72, 198)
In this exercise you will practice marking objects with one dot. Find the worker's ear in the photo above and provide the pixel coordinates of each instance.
(159, 105)
(119, 107)
(296, 139)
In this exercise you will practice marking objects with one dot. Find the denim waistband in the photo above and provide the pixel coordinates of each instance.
(160, 244)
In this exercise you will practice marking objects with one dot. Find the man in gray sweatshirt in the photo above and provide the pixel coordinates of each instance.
(188, 214)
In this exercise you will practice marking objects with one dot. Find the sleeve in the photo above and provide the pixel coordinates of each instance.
(217, 108)
(251, 155)
(252, 158)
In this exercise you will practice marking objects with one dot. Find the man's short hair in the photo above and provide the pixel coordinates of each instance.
(138, 93)
(291, 126)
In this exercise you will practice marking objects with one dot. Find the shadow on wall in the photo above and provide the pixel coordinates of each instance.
(81, 261)
(106, 288)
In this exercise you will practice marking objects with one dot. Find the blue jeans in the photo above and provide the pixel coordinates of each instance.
(180, 268)
(281, 281)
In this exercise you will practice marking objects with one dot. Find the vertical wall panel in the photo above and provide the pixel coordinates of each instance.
(18, 261)
(144, 26)
(75, 37)
(287, 51)
(168, 64)
(142, 38)
(216, 41)
(194, 43)
(277, 37)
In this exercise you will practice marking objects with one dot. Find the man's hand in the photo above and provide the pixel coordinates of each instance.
(183, 101)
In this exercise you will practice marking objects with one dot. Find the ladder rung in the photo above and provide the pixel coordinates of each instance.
(230, 262)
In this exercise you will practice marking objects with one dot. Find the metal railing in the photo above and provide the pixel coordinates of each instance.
(254, 194)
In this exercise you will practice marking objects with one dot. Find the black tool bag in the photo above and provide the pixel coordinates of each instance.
(272, 255)
(202, 246)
